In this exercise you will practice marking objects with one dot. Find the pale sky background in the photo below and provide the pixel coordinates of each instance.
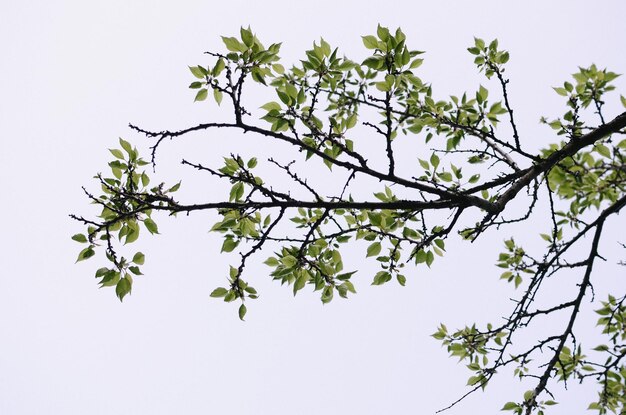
(73, 74)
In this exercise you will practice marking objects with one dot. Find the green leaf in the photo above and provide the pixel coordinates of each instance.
(233, 45)
(126, 146)
(230, 296)
(383, 86)
(219, 292)
(117, 153)
(197, 72)
(345, 276)
(123, 288)
(440, 243)
(229, 245)
(135, 270)
(416, 63)
(381, 196)
(390, 80)
(509, 406)
(233, 272)
(139, 258)
(86, 254)
(621, 97)
(473, 380)
(201, 95)
(370, 42)
(151, 226)
(382, 32)
(434, 160)
(79, 237)
(132, 235)
(301, 281)
(236, 192)
(173, 188)
(258, 75)
(445, 176)
(373, 249)
(327, 294)
(603, 150)
(528, 395)
(273, 105)
(374, 62)
(285, 98)
(278, 68)
(351, 121)
(430, 257)
(101, 272)
(242, 311)
(218, 95)
(483, 93)
(117, 173)
(247, 36)
(110, 279)
(289, 261)
(420, 256)
(219, 67)
(292, 91)
(555, 125)
(381, 277)
(271, 262)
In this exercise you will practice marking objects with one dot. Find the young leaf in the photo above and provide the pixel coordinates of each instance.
(242, 311)
(229, 245)
(79, 237)
(126, 146)
(151, 226)
(218, 95)
(135, 270)
(123, 288)
(370, 42)
(117, 153)
(86, 254)
(201, 95)
(219, 292)
(373, 249)
(218, 68)
(139, 258)
(233, 45)
(197, 72)
(247, 36)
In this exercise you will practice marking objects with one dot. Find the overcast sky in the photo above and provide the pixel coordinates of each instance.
(73, 74)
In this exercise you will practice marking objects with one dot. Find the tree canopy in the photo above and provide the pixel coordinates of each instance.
(471, 171)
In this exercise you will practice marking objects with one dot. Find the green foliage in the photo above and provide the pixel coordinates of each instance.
(590, 85)
(470, 157)
(611, 374)
(122, 216)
